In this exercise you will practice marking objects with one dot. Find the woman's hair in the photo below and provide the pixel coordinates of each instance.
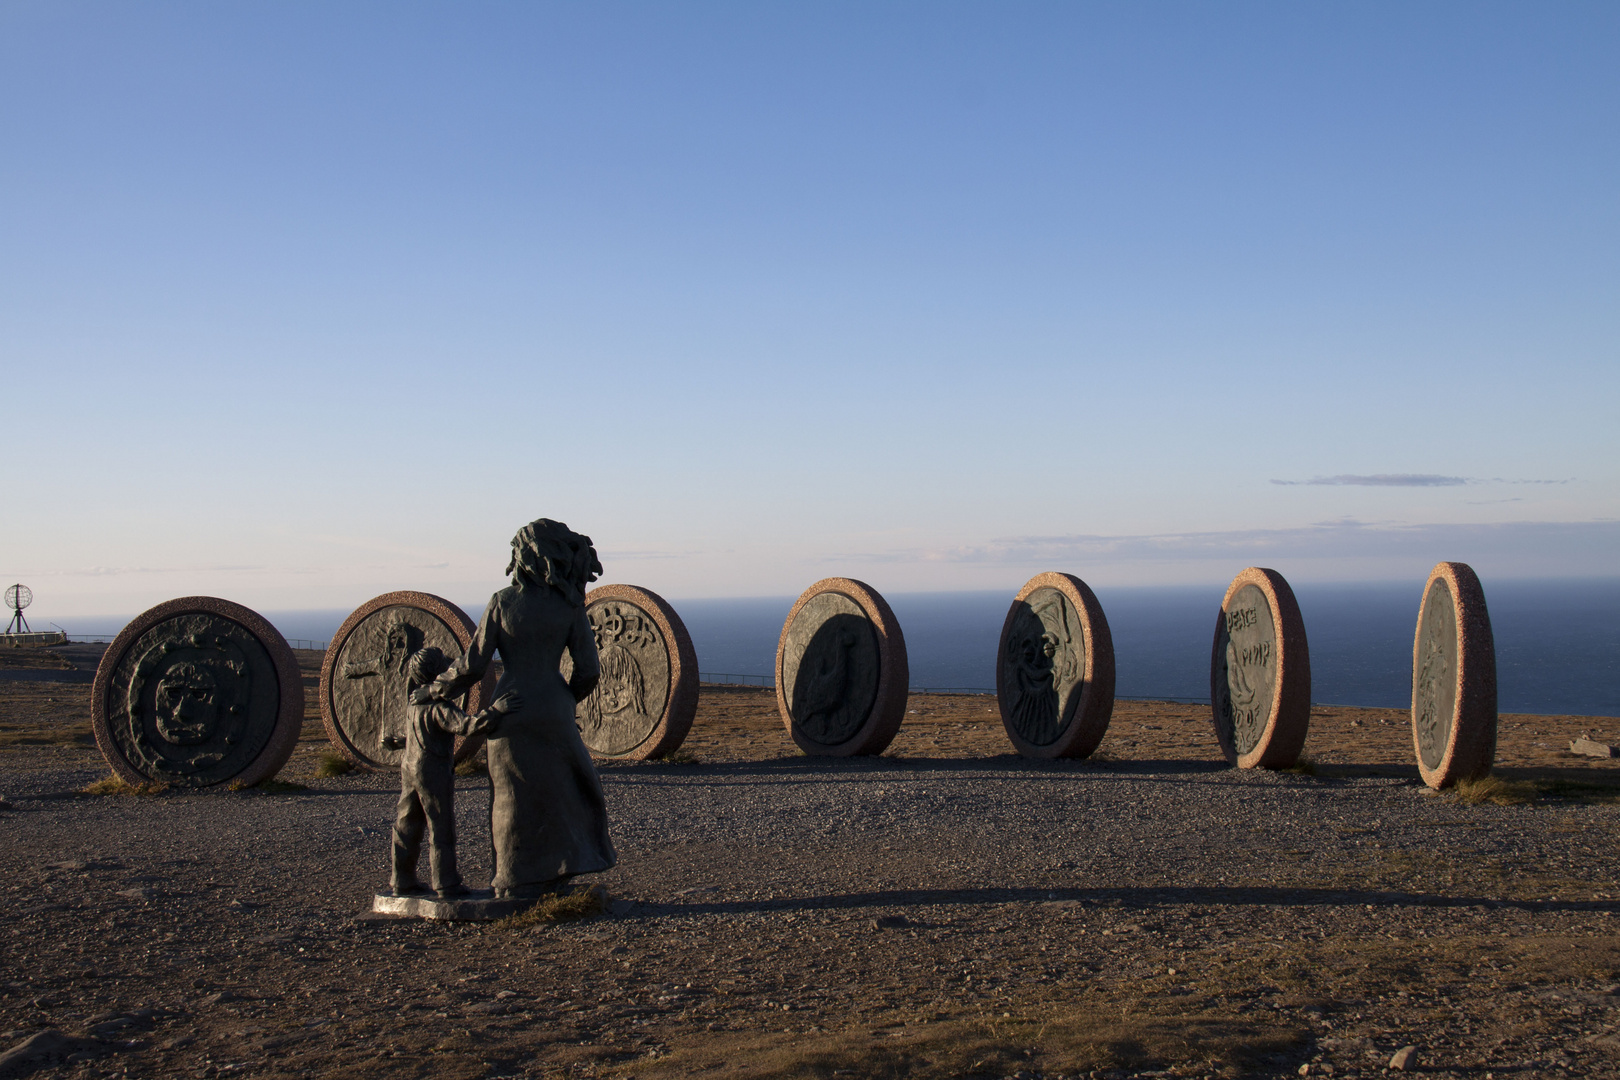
(549, 553)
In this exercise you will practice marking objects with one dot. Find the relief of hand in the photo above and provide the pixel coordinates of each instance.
(511, 701)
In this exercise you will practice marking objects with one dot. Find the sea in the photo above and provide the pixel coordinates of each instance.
(1557, 642)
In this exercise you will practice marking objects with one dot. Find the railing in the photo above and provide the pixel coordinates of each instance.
(307, 643)
(722, 679)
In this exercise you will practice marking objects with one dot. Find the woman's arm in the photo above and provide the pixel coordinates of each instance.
(467, 670)
(582, 648)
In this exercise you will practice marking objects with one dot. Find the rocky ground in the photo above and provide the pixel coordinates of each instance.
(947, 909)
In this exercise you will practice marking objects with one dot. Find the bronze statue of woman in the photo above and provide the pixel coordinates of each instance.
(548, 820)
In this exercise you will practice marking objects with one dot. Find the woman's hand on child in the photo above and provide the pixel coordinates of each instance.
(511, 701)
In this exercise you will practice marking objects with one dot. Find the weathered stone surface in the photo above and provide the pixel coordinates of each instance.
(1260, 673)
(646, 699)
(1453, 679)
(480, 905)
(197, 692)
(841, 673)
(1055, 669)
(1583, 746)
(363, 674)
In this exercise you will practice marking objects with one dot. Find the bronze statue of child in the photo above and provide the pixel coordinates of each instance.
(427, 776)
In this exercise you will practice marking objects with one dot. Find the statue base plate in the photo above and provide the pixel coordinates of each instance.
(479, 905)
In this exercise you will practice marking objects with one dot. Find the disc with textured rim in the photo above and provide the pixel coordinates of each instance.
(1260, 673)
(197, 692)
(1453, 679)
(644, 703)
(1055, 669)
(841, 674)
(363, 684)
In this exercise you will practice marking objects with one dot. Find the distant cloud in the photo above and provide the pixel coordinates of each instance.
(1382, 480)
(1403, 480)
(1579, 542)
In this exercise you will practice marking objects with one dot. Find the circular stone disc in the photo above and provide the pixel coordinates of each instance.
(197, 692)
(363, 683)
(1055, 669)
(1453, 679)
(644, 704)
(841, 675)
(1260, 673)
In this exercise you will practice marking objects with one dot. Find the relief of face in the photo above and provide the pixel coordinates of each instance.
(617, 695)
(399, 646)
(187, 705)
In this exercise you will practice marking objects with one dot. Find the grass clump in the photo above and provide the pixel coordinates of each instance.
(117, 785)
(331, 763)
(677, 757)
(1495, 790)
(582, 903)
(1304, 766)
(473, 766)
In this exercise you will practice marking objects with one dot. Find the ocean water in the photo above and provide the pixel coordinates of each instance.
(1557, 643)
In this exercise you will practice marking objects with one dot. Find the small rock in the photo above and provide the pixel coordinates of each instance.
(1404, 1059)
(72, 866)
(890, 922)
(6, 804)
(1590, 748)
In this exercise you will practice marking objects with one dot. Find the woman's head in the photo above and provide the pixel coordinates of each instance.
(546, 552)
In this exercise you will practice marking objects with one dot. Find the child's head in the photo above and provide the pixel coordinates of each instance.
(426, 665)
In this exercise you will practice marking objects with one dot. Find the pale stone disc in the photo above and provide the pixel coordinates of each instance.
(645, 701)
(841, 673)
(1260, 673)
(363, 682)
(1453, 679)
(197, 692)
(1055, 669)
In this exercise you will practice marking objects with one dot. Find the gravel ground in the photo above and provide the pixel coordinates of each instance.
(946, 910)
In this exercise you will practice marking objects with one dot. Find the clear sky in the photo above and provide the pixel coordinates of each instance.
(301, 302)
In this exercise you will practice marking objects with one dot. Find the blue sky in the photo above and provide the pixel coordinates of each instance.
(303, 302)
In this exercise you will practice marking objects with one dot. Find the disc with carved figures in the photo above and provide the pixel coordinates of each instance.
(1453, 679)
(1260, 673)
(363, 680)
(197, 692)
(1055, 669)
(644, 702)
(841, 672)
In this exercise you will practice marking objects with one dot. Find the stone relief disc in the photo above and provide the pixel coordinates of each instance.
(1055, 669)
(841, 674)
(1453, 679)
(197, 692)
(646, 699)
(363, 684)
(1260, 673)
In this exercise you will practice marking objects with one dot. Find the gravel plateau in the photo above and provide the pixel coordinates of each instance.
(948, 909)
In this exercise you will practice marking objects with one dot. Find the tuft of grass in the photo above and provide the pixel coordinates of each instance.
(272, 786)
(114, 785)
(1493, 789)
(677, 757)
(332, 764)
(1303, 767)
(581, 903)
(474, 766)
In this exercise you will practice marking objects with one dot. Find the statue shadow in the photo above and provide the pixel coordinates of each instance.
(1138, 899)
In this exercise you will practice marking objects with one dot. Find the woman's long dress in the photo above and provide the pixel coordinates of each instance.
(547, 815)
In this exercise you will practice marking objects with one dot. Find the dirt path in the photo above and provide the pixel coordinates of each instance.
(946, 910)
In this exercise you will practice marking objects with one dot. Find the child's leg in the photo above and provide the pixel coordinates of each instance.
(408, 821)
(438, 804)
